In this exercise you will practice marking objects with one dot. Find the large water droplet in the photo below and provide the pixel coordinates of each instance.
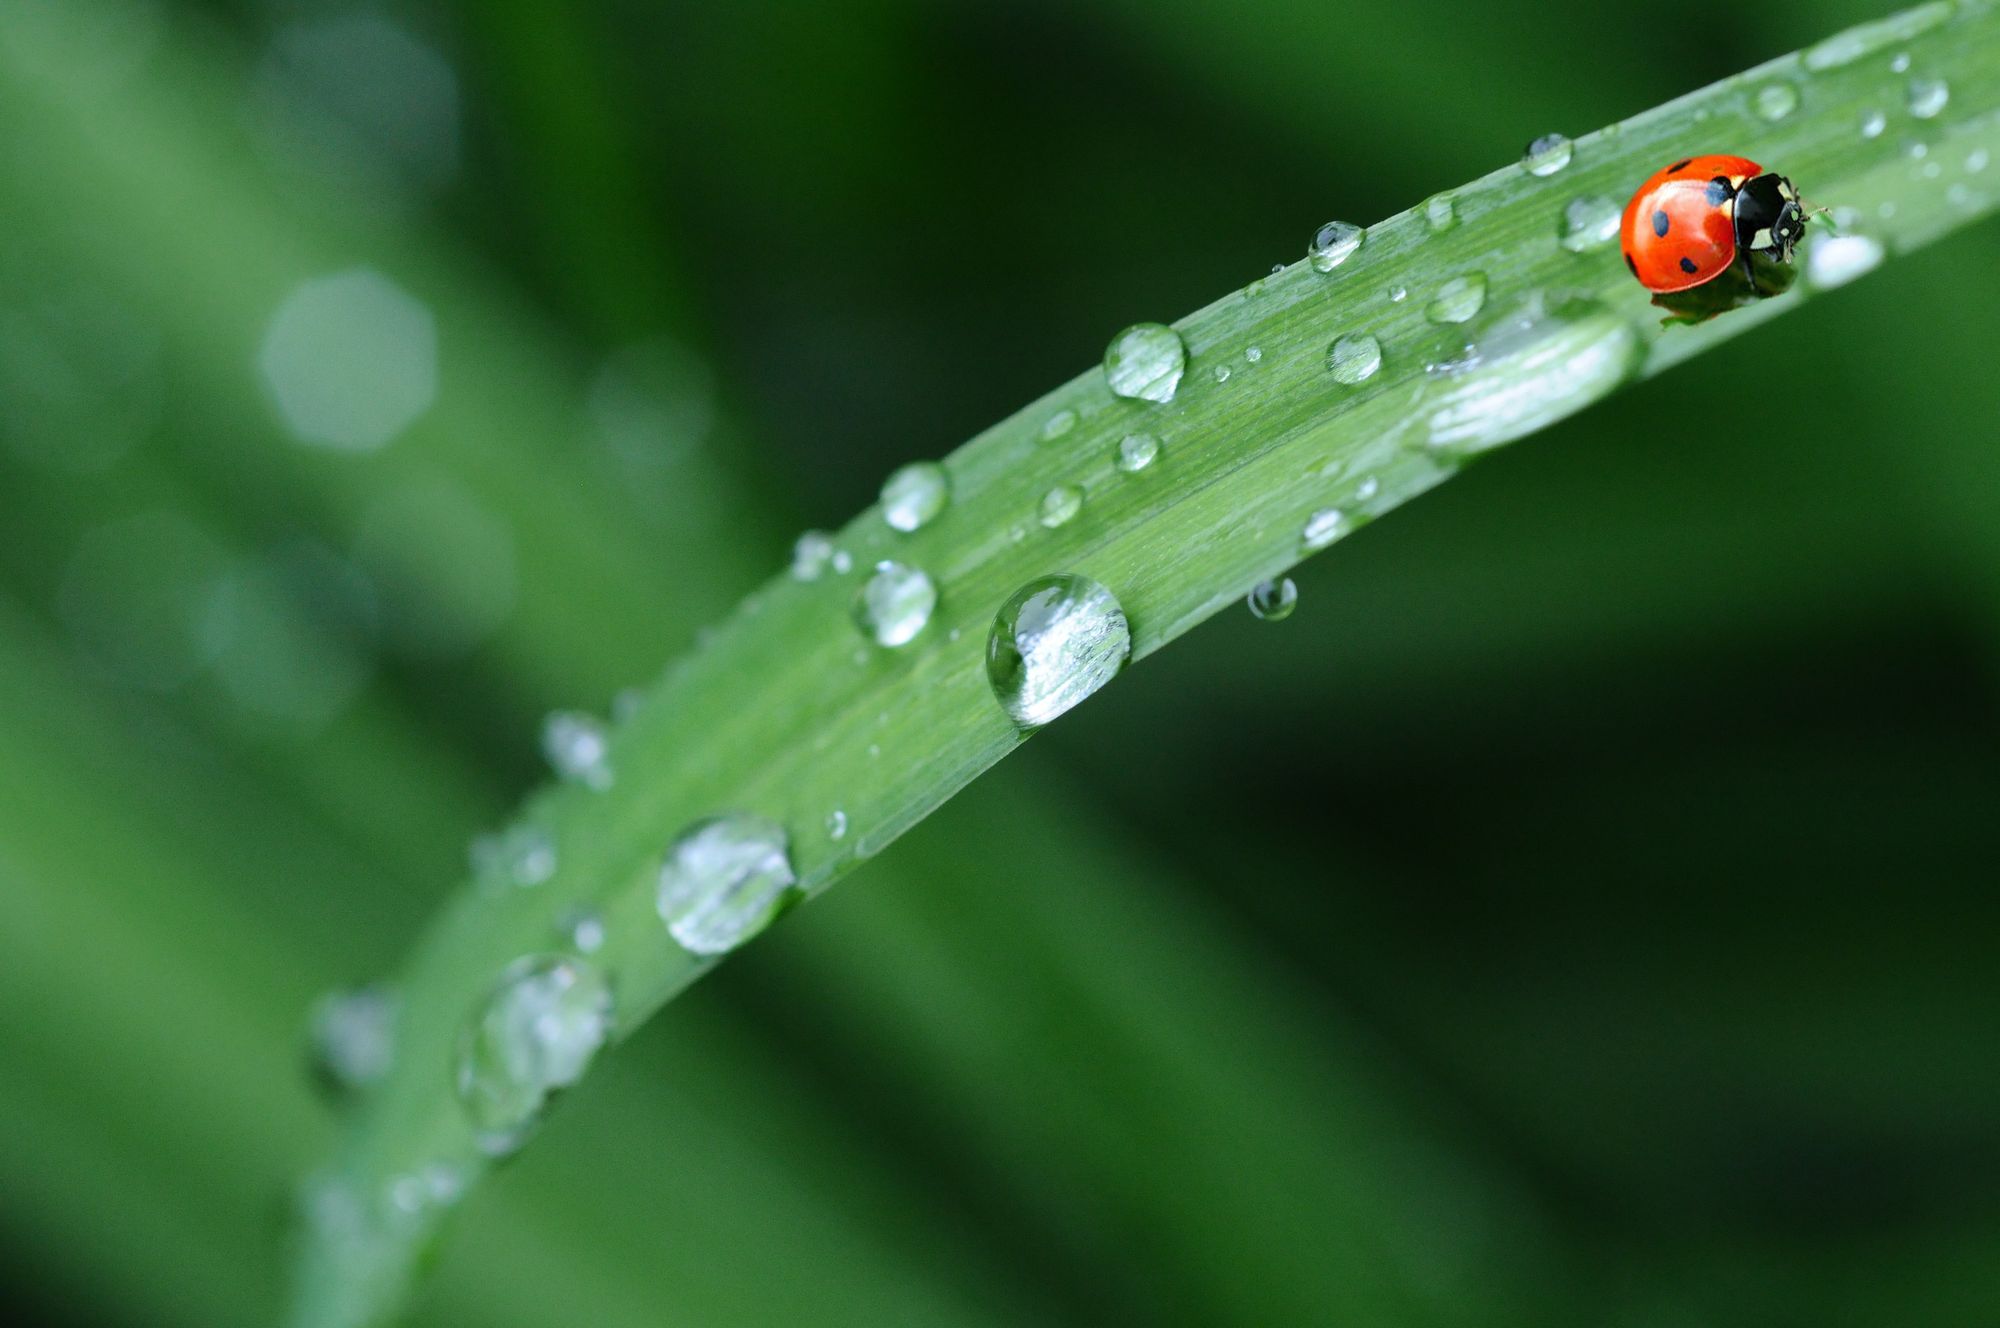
(1528, 374)
(1145, 362)
(1835, 260)
(1928, 97)
(1548, 154)
(812, 555)
(1323, 528)
(354, 1038)
(1054, 643)
(1440, 214)
(914, 494)
(1273, 601)
(578, 747)
(1060, 504)
(1458, 299)
(535, 1034)
(1333, 244)
(1589, 223)
(1354, 358)
(1777, 100)
(895, 603)
(1136, 451)
(724, 881)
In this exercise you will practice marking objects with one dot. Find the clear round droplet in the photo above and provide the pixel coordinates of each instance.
(1397, 294)
(1253, 355)
(812, 555)
(1589, 223)
(584, 927)
(534, 1035)
(1323, 528)
(1058, 424)
(836, 824)
(1221, 374)
(1548, 154)
(1459, 299)
(1440, 214)
(1900, 63)
(1333, 244)
(1054, 643)
(895, 604)
(1777, 100)
(353, 1038)
(1145, 362)
(1136, 451)
(1928, 97)
(1873, 123)
(1060, 504)
(914, 495)
(578, 748)
(1354, 358)
(1273, 601)
(1368, 488)
(724, 881)
(1835, 260)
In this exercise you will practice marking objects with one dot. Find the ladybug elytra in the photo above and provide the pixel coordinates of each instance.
(1691, 222)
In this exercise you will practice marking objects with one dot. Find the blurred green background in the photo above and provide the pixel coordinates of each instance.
(1580, 911)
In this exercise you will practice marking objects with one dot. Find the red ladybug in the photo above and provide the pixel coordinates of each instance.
(1690, 222)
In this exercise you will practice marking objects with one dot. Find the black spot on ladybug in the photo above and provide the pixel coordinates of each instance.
(1718, 192)
(1679, 166)
(1629, 263)
(1659, 223)
(1687, 266)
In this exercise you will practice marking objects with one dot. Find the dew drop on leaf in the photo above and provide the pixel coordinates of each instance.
(1354, 358)
(1136, 451)
(895, 603)
(724, 880)
(1145, 362)
(1548, 154)
(1273, 601)
(536, 1033)
(1054, 643)
(1333, 244)
(578, 748)
(913, 495)
(1459, 299)
(1060, 504)
(353, 1038)
(1323, 528)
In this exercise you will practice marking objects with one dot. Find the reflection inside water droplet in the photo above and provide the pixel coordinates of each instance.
(1054, 643)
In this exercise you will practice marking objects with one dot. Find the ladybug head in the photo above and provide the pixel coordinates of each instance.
(1770, 219)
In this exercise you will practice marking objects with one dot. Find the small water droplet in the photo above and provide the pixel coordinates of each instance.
(1900, 63)
(1333, 244)
(1775, 101)
(1060, 504)
(1323, 528)
(1221, 373)
(1397, 294)
(1054, 643)
(836, 824)
(414, 1193)
(1145, 362)
(1873, 123)
(535, 1034)
(1354, 358)
(522, 855)
(895, 604)
(1458, 299)
(843, 562)
(1835, 260)
(1589, 223)
(1136, 451)
(1058, 424)
(1273, 601)
(584, 927)
(1928, 97)
(1276, 268)
(914, 494)
(812, 555)
(1368, 488)
(353, 1038)
(1254, 355)
(578, 748)
(1976, 161)
(1440, 214)
(1917, 151)
(1548, 154)
(724, 881)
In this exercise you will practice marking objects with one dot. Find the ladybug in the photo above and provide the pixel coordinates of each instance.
(1691, 222)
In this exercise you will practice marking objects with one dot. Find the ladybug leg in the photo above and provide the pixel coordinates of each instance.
(1749, 271)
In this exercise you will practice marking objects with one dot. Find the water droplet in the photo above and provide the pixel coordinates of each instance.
(1221, 373)
(724, 881)
(1775, 101)
(1058, 424)
(914, 494)
(1060, 504)
(895, 603)
(1333, 244)
(1354, 358)
(812, 555)
(578, 747)
(1529, 374)
(522, 855)
(1928, 97)
(1440, 214)
(350, 361)
(353, 1038)
(1458, 299)
(1589, 223)
(1254, 355)
(1845, 48)
(1136, 451)
(414, 1193)
(1273, 601)
(1397, 294)
(1145, 362)
(584, 927)
(1835, 260)
(1368, 488)
(1055, 642)
(1548, 154)
(1976, 161)
(1323, 528)
(836, 824)
(535, 1034)
(1873, 123)
(1900, 63)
